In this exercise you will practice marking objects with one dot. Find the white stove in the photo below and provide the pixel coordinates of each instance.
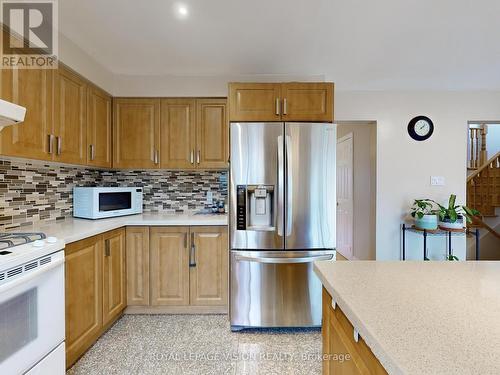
(31, 304)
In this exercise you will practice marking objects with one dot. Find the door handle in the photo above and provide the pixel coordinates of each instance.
(192, 253)
(198, 157)
(185, 240)
(92, 152)
(51, 143)
(107, 250)
(277, 106)
(59, 145)
(283, 260)
(191, 157)
(279, 215)
(285, 107)
(289, 187)
(155, 157)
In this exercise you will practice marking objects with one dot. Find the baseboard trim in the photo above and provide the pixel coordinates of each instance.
(195, 310)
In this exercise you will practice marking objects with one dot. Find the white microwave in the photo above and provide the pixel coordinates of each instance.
(103, 202)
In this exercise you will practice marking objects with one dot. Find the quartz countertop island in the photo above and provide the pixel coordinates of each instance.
(422, 317)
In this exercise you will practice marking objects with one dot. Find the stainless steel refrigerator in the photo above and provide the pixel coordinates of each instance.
(282, 219)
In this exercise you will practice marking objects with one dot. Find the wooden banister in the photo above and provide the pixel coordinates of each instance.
(486, 165)
(477, 145)
(483, 187)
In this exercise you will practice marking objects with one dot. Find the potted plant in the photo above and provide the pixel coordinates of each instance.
(424, 215)
(452, 217)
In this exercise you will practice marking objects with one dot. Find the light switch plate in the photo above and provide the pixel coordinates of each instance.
(437, 181)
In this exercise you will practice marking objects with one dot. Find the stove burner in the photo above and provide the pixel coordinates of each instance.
(8, 240)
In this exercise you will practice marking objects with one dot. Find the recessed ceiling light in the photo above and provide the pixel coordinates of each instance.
(181, 10)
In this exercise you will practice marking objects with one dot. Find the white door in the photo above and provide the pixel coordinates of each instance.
(345, 196)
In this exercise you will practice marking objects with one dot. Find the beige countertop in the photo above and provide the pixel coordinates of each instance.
(422, 317)
(72, 229)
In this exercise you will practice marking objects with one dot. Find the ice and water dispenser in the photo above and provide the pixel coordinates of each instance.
(255, 205)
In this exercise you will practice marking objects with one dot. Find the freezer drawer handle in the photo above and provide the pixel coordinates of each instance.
(283, 259)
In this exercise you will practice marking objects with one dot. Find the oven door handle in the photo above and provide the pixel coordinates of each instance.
(283, 260)
(23, 279)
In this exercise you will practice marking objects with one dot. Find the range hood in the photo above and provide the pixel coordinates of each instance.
(10, 114)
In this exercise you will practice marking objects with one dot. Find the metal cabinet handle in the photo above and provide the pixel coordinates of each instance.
(277, 106)
(92, 152)
(107, 250)
(191, 157)
(185, 240)
(192, 253)
(59, 145)
(283, 260)
(51, 143)
(198, 157)
(155, 157)
(285, 107)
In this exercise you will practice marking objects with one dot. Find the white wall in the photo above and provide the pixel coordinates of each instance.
(404, 166)
(81, 62)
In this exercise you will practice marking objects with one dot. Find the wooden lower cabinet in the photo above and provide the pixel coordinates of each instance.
(83, 296)
(137, 266)
(208, 271)
(114, 298)
(169, 259)
(177, 269)
(342, 354)
(94, 288)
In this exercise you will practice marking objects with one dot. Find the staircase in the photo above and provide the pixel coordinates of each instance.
(483, 194)
(483, 187)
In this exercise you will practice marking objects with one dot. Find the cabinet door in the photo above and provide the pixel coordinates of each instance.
(254, 102)
(32, 89)
(212, 133)
(137, 244)
(307, 102)
(177, 133)
(169, 266)
(98, 128)
(113, 275)
(70, 118)
(83, 296)
(136, 131)
(209, 266)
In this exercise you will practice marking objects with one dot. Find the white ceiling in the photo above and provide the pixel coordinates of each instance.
(384, 44)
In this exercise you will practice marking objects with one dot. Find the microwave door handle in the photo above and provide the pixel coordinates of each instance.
(32, 275)
(280, 192)
(289, 187)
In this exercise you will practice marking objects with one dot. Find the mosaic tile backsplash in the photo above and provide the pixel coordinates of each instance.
(33, 191)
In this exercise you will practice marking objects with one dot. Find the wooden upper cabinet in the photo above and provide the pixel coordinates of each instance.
(169, 259)
(114, 298)
(212, 133)
(70, 118)
(136, 133)
(34, 90)
(307, 102)
(209, 275)
(178, 138)
(98, 128)
(254, 101)
(295, 101)
(83, 289)
(137, 244)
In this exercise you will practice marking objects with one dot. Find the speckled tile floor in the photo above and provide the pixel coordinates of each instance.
(199, 344)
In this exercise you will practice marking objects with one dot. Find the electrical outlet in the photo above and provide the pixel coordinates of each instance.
(210, 197)
(437, 181)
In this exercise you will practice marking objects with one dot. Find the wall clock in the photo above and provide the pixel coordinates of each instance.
(420, 128)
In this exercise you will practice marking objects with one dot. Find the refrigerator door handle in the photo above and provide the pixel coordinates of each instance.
(283, 260)
(289, 188)
(281, 192)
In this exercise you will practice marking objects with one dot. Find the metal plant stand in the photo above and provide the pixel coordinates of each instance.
(438, 233)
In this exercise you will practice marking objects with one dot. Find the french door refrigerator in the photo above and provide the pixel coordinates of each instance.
(282, 219)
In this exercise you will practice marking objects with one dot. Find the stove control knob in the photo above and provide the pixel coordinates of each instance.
(38, 243)
(51, 239)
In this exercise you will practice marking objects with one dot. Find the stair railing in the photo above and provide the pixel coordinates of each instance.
(477, 145)
(483, 187)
